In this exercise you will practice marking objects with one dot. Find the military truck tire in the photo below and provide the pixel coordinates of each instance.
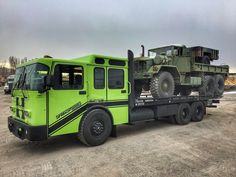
(185, 92)
(205, 60)
(208, 87)
(95, 128)
(219, 85)
(183, 116)
(162, 85)
(197, 111)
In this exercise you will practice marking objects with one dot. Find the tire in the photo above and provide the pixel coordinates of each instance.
(162, 85)
(205, 60)
(95, 128)
(208, 87)
(137, 89)
(185, 92)
(197, 111)
(183, 116)
(219, 85)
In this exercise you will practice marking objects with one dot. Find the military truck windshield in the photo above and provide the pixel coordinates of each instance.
(31, 77)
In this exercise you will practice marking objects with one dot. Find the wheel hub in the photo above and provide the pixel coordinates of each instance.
(97, 128)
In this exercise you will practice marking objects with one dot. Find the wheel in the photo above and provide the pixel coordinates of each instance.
(95, 128)
(137, 89)
(183, 116)
(197, 111)
(219, 85)
(185, 92)
(208, 87)
(162, 85)
(205, 60)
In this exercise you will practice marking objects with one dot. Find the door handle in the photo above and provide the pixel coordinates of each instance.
(82, 92)
(123, 91)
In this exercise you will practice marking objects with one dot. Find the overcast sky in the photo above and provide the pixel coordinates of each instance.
(73, 28)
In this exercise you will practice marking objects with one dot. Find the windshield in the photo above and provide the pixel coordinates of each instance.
(30, 77)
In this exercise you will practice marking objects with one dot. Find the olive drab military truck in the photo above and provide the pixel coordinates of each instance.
(177, 69)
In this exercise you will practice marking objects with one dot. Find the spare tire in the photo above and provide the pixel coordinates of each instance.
(162, 85)
(219, 85)
(208, 87)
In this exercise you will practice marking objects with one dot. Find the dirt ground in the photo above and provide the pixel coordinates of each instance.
(156, 148)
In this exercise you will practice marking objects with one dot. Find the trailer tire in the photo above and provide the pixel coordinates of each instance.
(183, 116)
(219, 85)
(208, 87)
(162, 85)
(95, 128)
(197, 111)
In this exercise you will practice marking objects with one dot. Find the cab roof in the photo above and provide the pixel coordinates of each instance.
(89, 59)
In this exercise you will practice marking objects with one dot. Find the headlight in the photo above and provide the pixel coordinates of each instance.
(26, 114)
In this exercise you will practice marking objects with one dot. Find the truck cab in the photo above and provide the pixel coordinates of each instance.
(50, 96)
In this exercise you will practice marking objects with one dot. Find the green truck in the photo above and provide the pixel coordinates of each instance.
(177, 69)
(88, 96)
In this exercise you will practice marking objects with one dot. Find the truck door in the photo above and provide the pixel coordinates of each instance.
(97, 83)
(117, 86)
(66, 98)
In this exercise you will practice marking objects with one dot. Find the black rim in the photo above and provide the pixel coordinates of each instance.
(199, 111)
(97, 128)
(185, 113)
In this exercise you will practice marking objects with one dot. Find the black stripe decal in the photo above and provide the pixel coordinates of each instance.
(74, 115)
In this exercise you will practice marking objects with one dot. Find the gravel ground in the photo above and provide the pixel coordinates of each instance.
(156, 148)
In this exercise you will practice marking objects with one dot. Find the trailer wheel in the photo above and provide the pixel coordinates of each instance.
(95, 128)
(208, 87)
(197, 111)
(219, 85)
(185, 92)
(162, 85)
(183, 116)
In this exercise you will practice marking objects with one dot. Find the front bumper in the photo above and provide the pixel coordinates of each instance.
(25, 131)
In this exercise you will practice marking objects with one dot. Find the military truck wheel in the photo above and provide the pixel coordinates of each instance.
(219, 85)
(197, 111)
(95, 128)
(208, 87)
(162, 85)
(183, 116)
(205, 60)
(185, 92)
(137, 89)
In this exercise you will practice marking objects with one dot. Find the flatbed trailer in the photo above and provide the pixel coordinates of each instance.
(89, 96)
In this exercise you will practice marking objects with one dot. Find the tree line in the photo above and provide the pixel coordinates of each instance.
(8, 67)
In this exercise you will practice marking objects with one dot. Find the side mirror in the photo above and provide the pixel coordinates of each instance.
(48, 80)
(46, 84)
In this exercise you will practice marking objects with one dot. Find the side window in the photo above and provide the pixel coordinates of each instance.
(99, 78)
(68, 77)
(115, 78)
